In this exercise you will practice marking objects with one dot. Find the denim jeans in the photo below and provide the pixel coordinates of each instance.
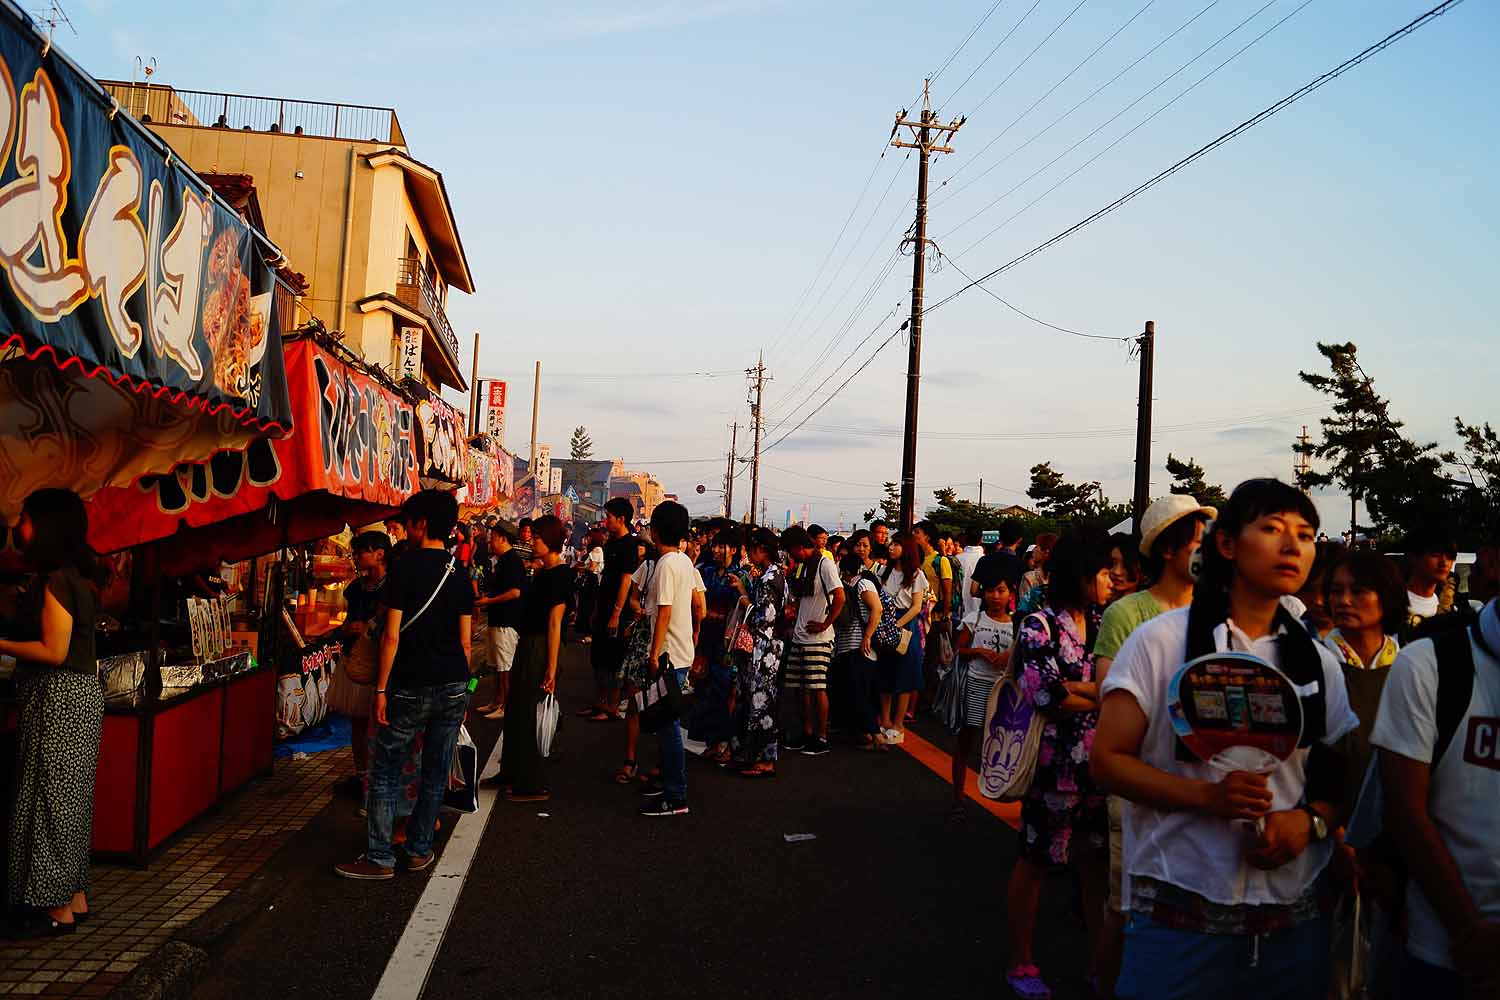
(673, 757)
(436, 712)
(1164, 963)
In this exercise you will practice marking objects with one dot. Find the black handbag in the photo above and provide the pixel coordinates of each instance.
(659, 703)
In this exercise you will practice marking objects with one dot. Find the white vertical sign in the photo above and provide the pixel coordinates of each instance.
(556, 482)
(543, 470)
(409, 363)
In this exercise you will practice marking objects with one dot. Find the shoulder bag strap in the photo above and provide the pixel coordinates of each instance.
(1455, 668)
(447, 571)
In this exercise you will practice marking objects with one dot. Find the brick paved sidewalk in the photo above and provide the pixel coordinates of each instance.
(139, 909)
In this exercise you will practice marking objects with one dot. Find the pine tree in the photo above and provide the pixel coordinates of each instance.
(582, 446)
(1400, 481)
(889, 508)
(1057, 498)
(1187, 478)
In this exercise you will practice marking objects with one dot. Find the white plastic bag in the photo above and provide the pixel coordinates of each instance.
(547, 714)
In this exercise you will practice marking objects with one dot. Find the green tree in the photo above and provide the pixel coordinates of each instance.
(889, 507)
(1057, 498)
(1478, 496)
(581, 446)
(1187, 478)
(1400, 481)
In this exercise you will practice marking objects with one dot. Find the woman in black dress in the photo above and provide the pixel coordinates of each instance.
(544, 605)
(61, 717)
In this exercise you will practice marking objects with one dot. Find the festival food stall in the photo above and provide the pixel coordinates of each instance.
(140, 331)
(350, 461)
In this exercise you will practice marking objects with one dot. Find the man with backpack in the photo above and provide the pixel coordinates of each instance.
(938, 568)
(1438, 737)
(820, 598)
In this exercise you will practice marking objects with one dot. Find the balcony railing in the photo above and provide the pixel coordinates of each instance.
(414, 288)
(169, 106)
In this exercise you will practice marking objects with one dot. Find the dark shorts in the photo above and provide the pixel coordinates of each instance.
(605, 654)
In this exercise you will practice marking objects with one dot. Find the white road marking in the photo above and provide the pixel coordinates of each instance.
(411, 962)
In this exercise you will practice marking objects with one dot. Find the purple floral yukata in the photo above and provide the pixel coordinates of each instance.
(1064, 810)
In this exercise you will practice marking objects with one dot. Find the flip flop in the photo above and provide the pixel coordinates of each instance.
(1026, 982)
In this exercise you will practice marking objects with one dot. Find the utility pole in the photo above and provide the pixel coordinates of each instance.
(758, 376)
(981, 493)
(734, 437)
(928, 136)
(1146, 343)
(536, 395)
(1303, 465)
(474, 390)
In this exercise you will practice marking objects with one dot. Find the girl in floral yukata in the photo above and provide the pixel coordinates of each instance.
(756, 741)
(1063, 816)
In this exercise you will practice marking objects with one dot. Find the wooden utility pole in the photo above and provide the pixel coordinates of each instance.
(1302, 466)
(474, 391)
(758, 378)
(734, 437)
(1146, 343)
(981, 493)
(536, 395)
(928, 136)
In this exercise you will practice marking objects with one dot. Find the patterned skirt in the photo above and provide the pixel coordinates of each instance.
(62, 717)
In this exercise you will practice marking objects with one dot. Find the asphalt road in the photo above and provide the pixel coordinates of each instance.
(892, 897)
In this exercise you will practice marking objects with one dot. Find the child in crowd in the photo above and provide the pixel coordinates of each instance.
(984, 642)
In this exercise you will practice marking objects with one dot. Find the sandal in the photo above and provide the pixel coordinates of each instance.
(627, 773)
(758, 771)
(1026, 982)
(599, 715)
(584, 713)
(958, 813)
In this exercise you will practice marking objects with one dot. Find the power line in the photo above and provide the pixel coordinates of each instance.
(1210, 423)
(972, 32)
(841, 387)
(992, 51)
(833, 374)
(1082, 166)
(1114, 117)
(1207, 148)
(1068, 113)
(1040, 322)
(1068, 76)
(1017, 67)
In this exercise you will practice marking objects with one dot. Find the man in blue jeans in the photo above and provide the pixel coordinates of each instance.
(669, 603)
(421, 688)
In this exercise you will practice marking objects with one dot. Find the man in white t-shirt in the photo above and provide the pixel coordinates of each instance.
(820, 598)
(967, 559)
(669, 602)
(1430, 555)
(1441, 807)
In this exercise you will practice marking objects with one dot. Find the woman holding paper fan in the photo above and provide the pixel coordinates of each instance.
(523, 769)
(1063, 815)
(1224, 868)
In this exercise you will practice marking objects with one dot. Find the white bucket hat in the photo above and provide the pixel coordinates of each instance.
(1165, 512)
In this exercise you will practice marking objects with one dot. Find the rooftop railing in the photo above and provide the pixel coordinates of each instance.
(170, 106)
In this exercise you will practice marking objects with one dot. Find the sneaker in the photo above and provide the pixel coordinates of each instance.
(894, 736)
(816, 748)
(664, 807)
(653, 790)
(794, 742)
(419, 862)
(365, 870)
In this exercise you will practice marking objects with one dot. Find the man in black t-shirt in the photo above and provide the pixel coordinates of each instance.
(504, 582)
(421, 687)
(621, 557)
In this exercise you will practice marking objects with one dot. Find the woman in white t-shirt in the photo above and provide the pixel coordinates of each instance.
(900, 674)
(1217, 908)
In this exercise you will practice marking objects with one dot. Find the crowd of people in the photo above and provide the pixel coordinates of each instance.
(1193, 878)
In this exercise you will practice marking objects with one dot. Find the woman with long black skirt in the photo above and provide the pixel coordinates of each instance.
(62, 715)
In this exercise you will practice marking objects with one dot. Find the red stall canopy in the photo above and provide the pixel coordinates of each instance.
(351, 459)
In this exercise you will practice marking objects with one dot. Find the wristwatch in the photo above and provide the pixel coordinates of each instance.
(1319, 824)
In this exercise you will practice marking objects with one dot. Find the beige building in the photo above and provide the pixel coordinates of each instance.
(369, 225)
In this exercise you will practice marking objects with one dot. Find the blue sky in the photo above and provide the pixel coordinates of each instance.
(647, 187)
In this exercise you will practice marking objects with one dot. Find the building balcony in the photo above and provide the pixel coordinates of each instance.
(207, 109)
(415, 290)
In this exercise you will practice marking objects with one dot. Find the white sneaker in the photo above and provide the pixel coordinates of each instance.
(894, 736)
